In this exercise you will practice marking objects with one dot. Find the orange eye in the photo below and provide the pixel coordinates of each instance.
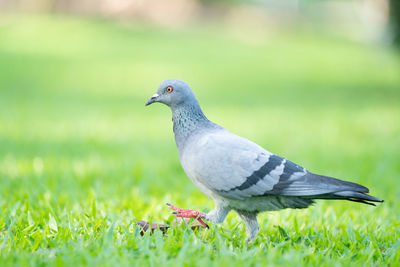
(169, 89)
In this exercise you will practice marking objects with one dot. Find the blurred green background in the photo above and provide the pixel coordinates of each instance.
(81, 158)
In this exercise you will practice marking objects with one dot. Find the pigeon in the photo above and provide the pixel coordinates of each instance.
(238, 174)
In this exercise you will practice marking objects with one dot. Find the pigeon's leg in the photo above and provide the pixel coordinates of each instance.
(185, 213)
(250, 220)
(218, 214)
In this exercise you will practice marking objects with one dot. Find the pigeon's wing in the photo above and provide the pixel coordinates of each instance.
(237, 168)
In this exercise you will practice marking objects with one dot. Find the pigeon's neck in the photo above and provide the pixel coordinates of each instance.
(187, 119)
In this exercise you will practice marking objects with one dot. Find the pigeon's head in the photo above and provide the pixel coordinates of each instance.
(173, 93)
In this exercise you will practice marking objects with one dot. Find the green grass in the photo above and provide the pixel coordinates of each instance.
(81, 158)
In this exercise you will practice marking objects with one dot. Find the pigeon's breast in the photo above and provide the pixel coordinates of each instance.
(194, 163)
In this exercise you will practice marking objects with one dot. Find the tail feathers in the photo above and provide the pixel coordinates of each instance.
(358, 197)
(314, 186)
(349, 195)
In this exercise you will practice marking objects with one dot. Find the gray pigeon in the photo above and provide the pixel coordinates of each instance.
(237, 173)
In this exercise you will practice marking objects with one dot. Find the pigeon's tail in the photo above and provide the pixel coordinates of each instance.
(346, 191)
(314, 186)
(349, 195)
(358, 197)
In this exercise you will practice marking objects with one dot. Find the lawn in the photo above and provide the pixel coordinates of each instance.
(82, 159)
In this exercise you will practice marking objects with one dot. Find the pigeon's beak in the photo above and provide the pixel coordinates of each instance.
(152, 100)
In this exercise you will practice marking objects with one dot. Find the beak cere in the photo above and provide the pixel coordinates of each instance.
(152, 100)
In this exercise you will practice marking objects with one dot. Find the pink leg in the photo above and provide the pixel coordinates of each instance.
(185, 213)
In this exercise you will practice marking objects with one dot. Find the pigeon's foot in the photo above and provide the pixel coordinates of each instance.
(185, 213)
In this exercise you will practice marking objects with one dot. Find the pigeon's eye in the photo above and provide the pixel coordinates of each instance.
(169, 89)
